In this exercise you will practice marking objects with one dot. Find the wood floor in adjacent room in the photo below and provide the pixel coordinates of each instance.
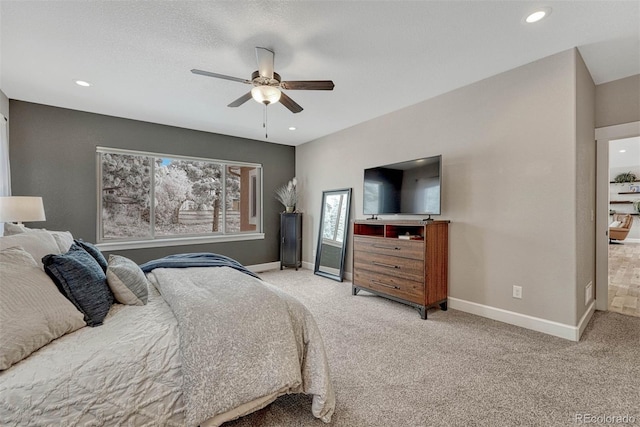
(624, 278)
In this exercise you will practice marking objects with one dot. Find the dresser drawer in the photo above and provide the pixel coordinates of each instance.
(412, 269)
(409, 290)
(413, 249)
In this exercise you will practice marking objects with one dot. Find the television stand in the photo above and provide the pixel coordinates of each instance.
(373, 217)
(404, 261)
(428, 220)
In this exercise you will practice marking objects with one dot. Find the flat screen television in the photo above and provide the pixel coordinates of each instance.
(411, 188)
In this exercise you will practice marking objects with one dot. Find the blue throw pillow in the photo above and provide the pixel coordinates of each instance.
(94, 252)
(80, 278)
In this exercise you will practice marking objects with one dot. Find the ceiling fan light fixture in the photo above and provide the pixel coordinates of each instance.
(266, 94)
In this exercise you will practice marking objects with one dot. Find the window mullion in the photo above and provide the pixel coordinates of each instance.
(224, 198)
(152, 199)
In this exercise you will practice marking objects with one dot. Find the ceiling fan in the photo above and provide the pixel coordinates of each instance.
(267, 84)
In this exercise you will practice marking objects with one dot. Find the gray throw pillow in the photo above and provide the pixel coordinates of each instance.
(32, 311)
(127, 281)
(80, 278)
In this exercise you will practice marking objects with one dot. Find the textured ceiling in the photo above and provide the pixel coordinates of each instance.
(382, 55)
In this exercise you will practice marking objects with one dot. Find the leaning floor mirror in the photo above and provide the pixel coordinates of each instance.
(332, 237)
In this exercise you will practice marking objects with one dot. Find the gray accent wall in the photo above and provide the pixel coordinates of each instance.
(618, 102)
(53, 155)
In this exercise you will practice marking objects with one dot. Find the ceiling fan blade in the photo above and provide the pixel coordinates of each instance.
(265, 61)
(290, 103)
(219, 76)
(308, 85)
(238, 102)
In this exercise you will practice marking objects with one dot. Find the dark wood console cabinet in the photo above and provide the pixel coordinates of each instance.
(406, 261)
(290, 240)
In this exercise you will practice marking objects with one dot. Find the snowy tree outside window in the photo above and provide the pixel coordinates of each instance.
(145, 196)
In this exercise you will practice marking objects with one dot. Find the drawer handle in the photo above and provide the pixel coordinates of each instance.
(395, 248)
(381, 264)
(377, 282)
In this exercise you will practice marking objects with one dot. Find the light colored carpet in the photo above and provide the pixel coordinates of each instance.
(390, 368)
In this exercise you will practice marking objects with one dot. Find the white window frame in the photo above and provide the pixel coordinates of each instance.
(255, 211)
(153, 241)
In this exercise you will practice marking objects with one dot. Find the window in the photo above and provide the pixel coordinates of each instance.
(147, 197)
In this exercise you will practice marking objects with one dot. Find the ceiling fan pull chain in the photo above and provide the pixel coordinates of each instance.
(264, 122)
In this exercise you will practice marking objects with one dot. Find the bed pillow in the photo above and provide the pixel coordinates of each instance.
(10, 229)
(80, 278)
(37, 243)
(64, 239)
(32, 311)
(94, 252)
(127, 282)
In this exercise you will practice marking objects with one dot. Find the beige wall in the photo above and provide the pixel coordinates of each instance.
(4, 104)
(585, 184)
(618, 102)
(509, 182)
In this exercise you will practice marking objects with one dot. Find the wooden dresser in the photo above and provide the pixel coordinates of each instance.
(406, 261)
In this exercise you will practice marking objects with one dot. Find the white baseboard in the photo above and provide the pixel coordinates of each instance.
(557, 329)
(259, 268)
(585, 318)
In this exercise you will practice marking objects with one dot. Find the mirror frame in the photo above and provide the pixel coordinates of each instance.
(316, 270)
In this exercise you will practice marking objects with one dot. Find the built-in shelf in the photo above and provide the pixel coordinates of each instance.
(622, 183)
(620, 202)
(630, 192)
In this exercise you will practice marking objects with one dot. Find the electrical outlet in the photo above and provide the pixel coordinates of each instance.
(517, 292)
(588, 293)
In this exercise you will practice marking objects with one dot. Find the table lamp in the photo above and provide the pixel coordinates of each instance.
(21, 208)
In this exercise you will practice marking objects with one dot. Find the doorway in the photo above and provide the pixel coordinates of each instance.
(617, 264)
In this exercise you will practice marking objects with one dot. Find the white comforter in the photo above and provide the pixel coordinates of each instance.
(126, 372)
(243, 343)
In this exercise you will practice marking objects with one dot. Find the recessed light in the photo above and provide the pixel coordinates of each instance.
(292, 128)
(538, 15)
(623, 151)
(83, 83)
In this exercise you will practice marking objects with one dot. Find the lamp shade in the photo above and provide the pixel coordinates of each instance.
(21, 209)
(266, 94)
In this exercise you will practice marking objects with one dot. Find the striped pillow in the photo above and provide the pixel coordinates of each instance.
(127, 281)
(32, 311)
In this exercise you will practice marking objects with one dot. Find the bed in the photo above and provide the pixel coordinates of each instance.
(210, 344)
